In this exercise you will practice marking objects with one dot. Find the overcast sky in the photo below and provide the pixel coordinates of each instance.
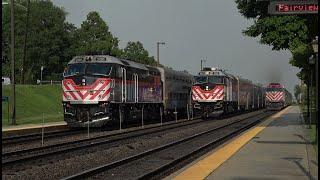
(192, 30)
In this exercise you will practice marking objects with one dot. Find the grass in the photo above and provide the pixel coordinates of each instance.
(32, 101)
(313, 138)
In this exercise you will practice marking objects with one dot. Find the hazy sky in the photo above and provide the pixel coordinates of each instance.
(193, 30)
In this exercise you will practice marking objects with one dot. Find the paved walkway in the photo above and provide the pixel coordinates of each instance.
(280, 151)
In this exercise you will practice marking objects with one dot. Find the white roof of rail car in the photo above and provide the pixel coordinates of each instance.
(106, 59)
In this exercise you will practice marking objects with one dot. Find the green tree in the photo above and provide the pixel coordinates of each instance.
(135, 51)
(94, 37)
(48, 39)
(290, 32)
(297, 91)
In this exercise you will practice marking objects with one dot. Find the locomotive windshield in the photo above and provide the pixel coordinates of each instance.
(215, 79)
(98, 69)
(209, 79)
(201, 79)
(274, 89)
(74, 69)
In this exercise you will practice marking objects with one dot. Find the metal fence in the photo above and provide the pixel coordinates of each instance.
(48, 82)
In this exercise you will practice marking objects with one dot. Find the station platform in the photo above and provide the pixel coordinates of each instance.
(277, 148)
(32, 128)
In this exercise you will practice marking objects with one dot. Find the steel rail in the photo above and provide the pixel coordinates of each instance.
(99, 169)
(220, 140)
(6, 159)
(31, 153)
(36, 136)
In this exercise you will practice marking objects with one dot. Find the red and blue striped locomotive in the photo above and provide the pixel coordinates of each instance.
(217, 92)
(96, 89)
(277, 97)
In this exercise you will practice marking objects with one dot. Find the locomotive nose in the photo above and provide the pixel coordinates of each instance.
(207, 86)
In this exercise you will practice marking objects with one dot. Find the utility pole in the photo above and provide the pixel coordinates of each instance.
(13, 63)
(25, 44)
(158, 44)
(314, 45)
(308, 98)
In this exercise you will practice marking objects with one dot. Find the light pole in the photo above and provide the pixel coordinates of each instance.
(13, 59)
(13, 63)
(158, 44)
(25, 36)
(311, 62)
(314, 45)
(308, 95)
(202, 60)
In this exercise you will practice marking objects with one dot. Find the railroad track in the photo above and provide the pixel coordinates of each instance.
(37, 136)
(157, 161)
(54, 149)
(27, 138)
(21, 156)
(19, 139)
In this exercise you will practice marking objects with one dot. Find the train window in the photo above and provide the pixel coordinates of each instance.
(215, 79)
(274, 89)
(201, 79)
(74, 69)
(98, 69)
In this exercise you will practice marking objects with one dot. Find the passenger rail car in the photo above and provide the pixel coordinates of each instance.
(218, 92)
(277, 97)
(98, 88)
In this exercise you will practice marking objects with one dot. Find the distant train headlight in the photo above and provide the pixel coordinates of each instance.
(207, 88)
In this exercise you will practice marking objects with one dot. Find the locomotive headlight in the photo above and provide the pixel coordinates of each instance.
(83, 82)
(207, 88)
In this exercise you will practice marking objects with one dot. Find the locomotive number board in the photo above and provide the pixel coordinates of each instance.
(293, 7)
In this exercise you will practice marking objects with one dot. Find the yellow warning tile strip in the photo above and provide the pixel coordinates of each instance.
(206, 166)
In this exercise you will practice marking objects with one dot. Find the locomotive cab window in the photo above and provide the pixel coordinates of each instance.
(209, 79)
(75, 69)
(201, 79)
(99, 69)
(274, 89)
(96, 69)
(215, 79)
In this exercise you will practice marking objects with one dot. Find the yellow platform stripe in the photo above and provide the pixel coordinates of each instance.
(206, 166)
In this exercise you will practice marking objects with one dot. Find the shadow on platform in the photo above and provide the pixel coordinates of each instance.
(297, 161)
